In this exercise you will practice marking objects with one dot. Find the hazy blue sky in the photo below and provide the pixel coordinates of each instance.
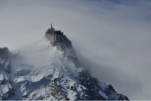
(113, 34)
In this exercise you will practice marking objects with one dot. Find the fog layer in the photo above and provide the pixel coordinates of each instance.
(112, 37)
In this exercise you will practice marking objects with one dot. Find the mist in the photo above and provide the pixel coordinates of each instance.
(111, 37)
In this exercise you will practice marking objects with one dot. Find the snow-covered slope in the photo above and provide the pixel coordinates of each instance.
(50, 70)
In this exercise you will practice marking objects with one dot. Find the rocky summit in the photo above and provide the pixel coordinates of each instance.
(50, 70)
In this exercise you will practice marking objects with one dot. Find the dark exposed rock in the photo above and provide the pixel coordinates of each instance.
(4, 56)
(93, 88)
(4, 52)
(57, 90)
(2, 82)
(4, 72)
(57, 37)
(61, 42)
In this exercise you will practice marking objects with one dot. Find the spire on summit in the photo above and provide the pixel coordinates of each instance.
(51, 25)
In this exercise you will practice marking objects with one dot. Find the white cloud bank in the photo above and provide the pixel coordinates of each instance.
(114, 36)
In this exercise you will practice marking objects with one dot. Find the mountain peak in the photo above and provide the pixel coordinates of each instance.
(56, 37)
(59, 40)
(45, 74)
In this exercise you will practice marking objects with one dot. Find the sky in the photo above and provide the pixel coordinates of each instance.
(110, 37)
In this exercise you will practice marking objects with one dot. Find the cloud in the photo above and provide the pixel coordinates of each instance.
(113, 37)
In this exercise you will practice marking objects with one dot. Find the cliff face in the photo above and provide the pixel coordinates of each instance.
(61, 42)
(57, 37)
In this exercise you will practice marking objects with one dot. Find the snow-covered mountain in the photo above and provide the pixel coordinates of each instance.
(49, 70)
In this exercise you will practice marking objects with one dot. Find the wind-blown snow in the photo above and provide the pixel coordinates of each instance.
(41, 54)
(38, 55)
(42, 72)
(40, 61)
(37, 74)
